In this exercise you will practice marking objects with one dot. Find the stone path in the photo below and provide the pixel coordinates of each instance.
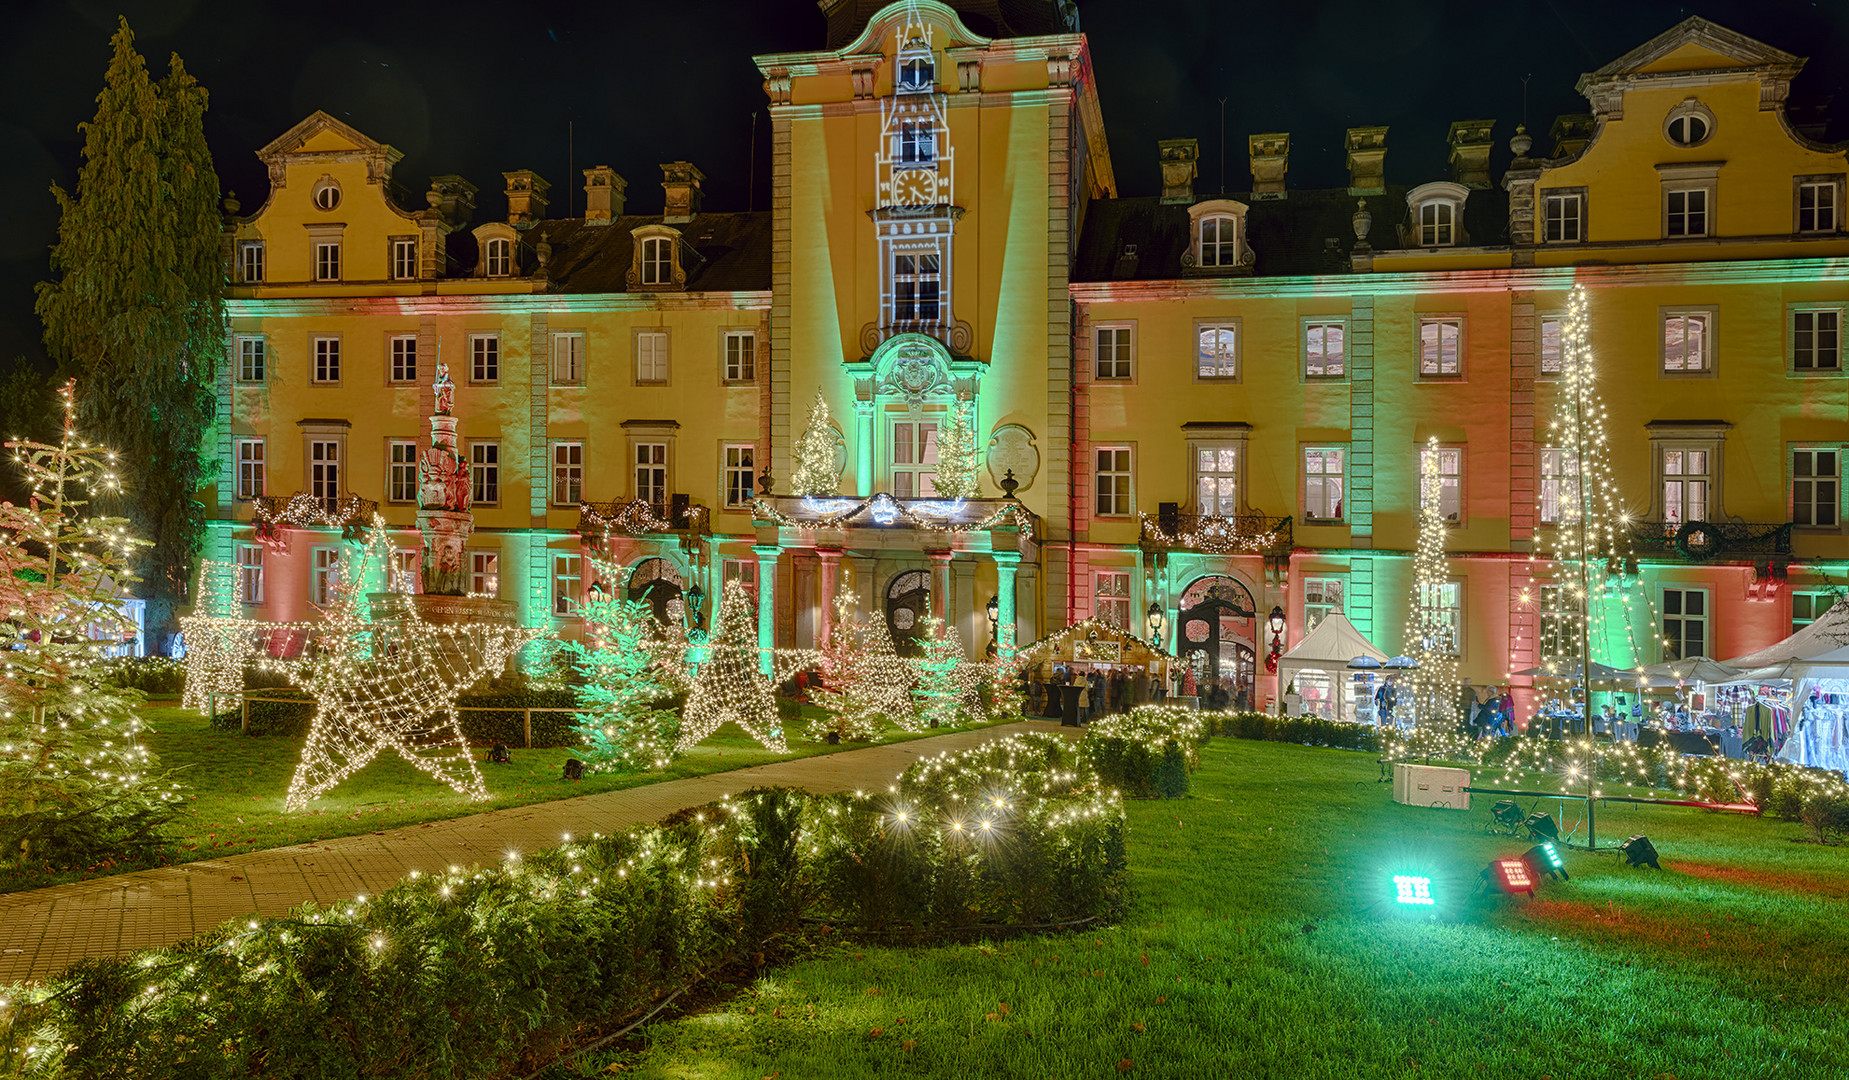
(43, 931)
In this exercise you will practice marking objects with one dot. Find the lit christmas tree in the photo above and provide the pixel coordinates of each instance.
(622, 725)
(864, 681)
(815, 472)
(1431, 638)
(76, 785)
(948, 684)
(956, 453)
(730, 686)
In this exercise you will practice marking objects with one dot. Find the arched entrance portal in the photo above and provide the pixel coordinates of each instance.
(1218, 634)
(659, 583)
(908, 604)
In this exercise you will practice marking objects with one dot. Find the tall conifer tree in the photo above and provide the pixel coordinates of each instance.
(136, 305)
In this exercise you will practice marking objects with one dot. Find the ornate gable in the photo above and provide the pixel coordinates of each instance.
(323, 139)
(1694, 53)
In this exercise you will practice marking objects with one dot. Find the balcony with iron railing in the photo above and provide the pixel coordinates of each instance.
(1714, 541)
(883, 511)
(598, 521)
(304, 510)
(1250, 533)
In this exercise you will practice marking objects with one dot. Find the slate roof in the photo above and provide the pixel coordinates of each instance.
(733, 249)
(1310, 232)
(990, 18)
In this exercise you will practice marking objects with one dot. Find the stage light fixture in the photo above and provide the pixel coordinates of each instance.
(1507, 813)
(1544, 860)
(1639, 851)
(1413, 890)
(1541, 827)
(574, 769)
(1510, 876)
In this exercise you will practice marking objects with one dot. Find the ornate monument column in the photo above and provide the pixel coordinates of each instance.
(443, 498)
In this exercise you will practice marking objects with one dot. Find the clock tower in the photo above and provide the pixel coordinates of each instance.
(915, 214)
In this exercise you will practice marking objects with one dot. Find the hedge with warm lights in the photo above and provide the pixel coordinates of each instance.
(1148, 752)
(476, 972)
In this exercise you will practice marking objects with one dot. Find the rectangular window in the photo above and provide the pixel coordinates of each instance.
(404, 258)
(1450, 481)
(1553, 356)
(327, 360)
(327, 260)
(1323, 482)
(652, 475)
(1216, 352)
(568, 359)
(916, 280)
(401, 479)
(1441, 616)
(1324, 351)
(917, 143)
(324, 566)
(652, 356)
(250, 573)
(1808, 607)
(740, 481)
(407, 571)
(403, 358)
(324, 472)
(1437, 224)
(1686, 212)
(1322, 596)
(484, 358)
(567, 473)
(1216, 480)
(1113, 352)
(914, 459)
(250, 261)
(1685, 623)
(1686, 483)
(1113, 482)
(484, 573)
(485, 473)
(567, 576)
(1561, 622)
(1817, 206)
(1816, 487)
(1688, 342)
(1816, 341)
(745, 572)
(1559, 486)
(250, 468)
(741, 356)
(252, 354)
(1563, 218)
(1441, 348)
(1111, 599)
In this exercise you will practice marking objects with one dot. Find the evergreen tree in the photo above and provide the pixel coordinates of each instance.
(948, 684)
(864, 682)
(956, 454)
(815, 472)
(1433, 685)
(136, 307)
(622, 725)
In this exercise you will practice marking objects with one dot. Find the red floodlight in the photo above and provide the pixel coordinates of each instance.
(1510, 876)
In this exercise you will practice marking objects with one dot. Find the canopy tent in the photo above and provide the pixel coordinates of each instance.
(1815, 660)
(1693, 669)
(1094, 643)
(1827, 635)
(1328, 649)
(1610, 677)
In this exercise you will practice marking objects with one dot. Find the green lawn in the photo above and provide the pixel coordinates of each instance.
(1256, 948)
(237, 782)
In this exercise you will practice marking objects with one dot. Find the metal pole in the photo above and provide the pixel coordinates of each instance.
(1585, 585)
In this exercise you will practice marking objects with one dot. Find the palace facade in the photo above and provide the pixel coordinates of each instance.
(1194, 409)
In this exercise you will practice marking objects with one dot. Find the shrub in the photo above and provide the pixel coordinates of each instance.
(154, 675)
(1307, 730)
(1148, 752)
(1827, 817)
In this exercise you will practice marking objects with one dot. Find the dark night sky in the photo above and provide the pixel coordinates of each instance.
(477, 88)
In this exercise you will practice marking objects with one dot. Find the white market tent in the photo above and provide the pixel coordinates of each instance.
(1328, 649)
(1814, 658)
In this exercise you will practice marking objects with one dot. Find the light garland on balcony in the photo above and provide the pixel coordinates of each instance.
(304, 511)
(1215, 535)
(729, 685)
(924, 515)
(634, 518)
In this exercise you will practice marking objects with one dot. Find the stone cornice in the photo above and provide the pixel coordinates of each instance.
(504, 304)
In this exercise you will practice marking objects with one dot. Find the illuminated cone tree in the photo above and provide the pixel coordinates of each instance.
(1431, 637)
(730, 685)
(864, 681)
(815, 472)
(948, 684)
(623, 725)
(956, 453)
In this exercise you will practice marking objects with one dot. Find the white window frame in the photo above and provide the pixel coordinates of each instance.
(567, 584)
(1113, 360)
(326, 195)
(1313, 503)
(407, 571)
(657, 260)
(916, 476)
(327, 469)
(1807, 354)
(404, 258)
(916, 75)
(649, 473)
(1559, 620)
(1557, 472)
(1216, 238)
(1113, 481)
(253, 359)
(1688, 210)
(1680, 321)
(1680, 509)
(484, 359)
(323, 573)
(739, 356)
(1675, 639)
(1110, 599)
(498, 257)
(1563, 216)
(1200, 472)
(1453, 459)
(250, 573)
(401, 482)
(1223, 364)
(915, 143)
(1541, 360)
(1680, 121)
(1810, 491)
(1323, 595)
(1453, 612)
(252, 467)
(327, 260)
(401, 359)
(652, 357)
(1432, 360)
(1316, 352)
(485, 472)
(568, 358)
(324, 361)
(737, 475)
(1824, 214)
(251, 262)
(484, 572)
(918, 286)
(567, 456)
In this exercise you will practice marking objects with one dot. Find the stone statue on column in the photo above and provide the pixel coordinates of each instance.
(443, 513)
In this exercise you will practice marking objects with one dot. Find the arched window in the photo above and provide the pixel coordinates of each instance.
(500, 257)
(1219, 240)
(908, 604)
(1437, 210)
(1689, 124)
(916, 76)
(657, 261)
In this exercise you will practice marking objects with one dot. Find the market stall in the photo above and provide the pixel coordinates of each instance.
(1318, 667)
(1094, 646)
(1813, 664)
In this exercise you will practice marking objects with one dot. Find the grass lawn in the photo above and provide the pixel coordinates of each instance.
(237, 784)
(1255, 948)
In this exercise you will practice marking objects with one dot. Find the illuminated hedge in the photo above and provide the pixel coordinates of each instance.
(1147, 752)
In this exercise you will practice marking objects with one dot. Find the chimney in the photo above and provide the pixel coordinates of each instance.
(1571, 133)
(681, 181)
(453, 198)
(1270, 161)
(526, 198)
(603, 195)
(1470, 147)
(1178, 168)
(1367, 160)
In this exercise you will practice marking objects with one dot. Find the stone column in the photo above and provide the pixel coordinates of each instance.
(1006, 562)
(863, 448)
(940, 584)
(971, 617)
(767, 604)
(825, 622)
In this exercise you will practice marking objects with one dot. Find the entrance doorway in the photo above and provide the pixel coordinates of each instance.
(908, 604)
(659, 583)
(1218, 634)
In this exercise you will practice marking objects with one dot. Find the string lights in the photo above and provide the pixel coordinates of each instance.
(945, 516)
(863, 680)
(817, 471)
(634, 518)
(1429, 634)
(1215, 535)
(956, 453)
(948, 686)
(628, 666)
(214, 666)
(729, 685)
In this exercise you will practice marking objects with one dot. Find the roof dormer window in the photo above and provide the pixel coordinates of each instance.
(1437, 214)
(917, 76)
(657, 260)
(1217, 239)
(1689, 124)
(500, 257)
(661, 259)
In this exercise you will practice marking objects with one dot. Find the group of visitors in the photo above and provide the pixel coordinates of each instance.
(1489, 715)
(1101, 692)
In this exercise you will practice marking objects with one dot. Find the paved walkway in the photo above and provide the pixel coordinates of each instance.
(45, 930)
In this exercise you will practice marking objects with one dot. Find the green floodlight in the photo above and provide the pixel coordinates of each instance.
(1413, 890)
(1544, 859)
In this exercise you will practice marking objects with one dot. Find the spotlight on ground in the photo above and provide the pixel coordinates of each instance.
(1509, 876)
(1544, 860)
(1413, 891)
(1541, 827)
(1507, 813)
(1639, 851)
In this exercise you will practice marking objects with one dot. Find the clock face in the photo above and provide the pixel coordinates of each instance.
(915, 187)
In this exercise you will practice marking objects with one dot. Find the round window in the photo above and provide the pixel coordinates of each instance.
(1689, 125)
(903, 618)
(327, 195)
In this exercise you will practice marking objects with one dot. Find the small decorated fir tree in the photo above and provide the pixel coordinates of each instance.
(864, 681)
(623, 725)
(815, 472)
(948, 684)
(730, 686)
(956, 453)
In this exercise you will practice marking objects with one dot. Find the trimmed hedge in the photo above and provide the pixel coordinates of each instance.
(161, 675)
(1304, 730)
(473, 973)
(291, 718)
(1148, 752)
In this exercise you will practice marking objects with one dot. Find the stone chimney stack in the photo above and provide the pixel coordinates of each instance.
(453, 198)
(1179, 166)
(526, 198)
(1367, 160)
(1270, 161)
(604, 195)
(1470, 146)
(680, 180)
